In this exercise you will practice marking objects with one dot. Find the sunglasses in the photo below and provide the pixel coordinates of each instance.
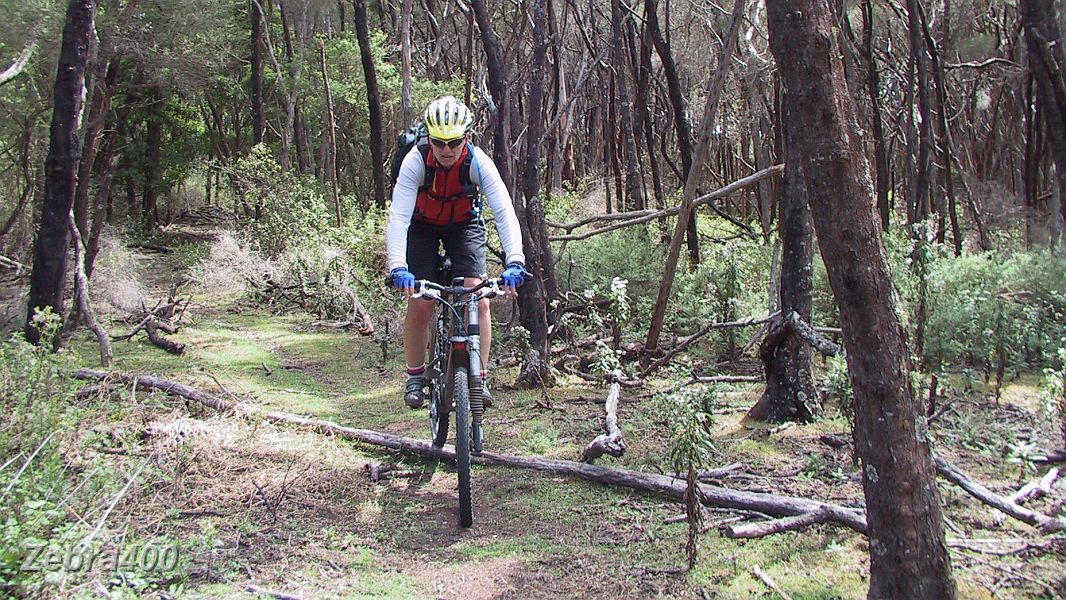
(453, 144)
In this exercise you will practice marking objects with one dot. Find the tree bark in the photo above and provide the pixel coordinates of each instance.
(256, 21)
(405, 61)
(373, 98)
(1046, 60)
(152, 162)
(908, 553)
(629, 152)
(498, 81)
(789, 393)
(331, 136)
(533, 297)
(53, 236)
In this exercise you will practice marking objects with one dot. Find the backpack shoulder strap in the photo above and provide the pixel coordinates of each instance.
(423, 149)
(464, 169)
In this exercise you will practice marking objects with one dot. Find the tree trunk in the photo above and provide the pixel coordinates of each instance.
(700, 157)
(405, 61)
(256, 59)
(105, 79)
(152, 157)
(533, 297)
(331, 136)
(1046, 63)
(873, 90)
(53, 236)
(629, 146)
(908, 553)
(498, 81)
(789, 393)
(920, 193)
(373, 98)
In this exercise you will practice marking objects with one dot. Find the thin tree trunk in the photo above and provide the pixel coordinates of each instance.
(700, 157)
(331, 135)
(908, 552)
(920, 194)
(498, 81)
(152, 158)
(53, 236)
(256, 59)
(873, 90)
(373, 98)
(629, 146)
(98, 109)
(405, 61)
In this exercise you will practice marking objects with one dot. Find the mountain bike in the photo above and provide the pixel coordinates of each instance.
(453, 373)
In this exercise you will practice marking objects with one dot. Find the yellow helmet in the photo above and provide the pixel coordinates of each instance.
(447, 118)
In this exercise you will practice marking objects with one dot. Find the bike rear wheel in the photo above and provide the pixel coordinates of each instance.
(461, 396)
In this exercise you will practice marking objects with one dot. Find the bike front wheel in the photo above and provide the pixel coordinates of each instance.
(461, 397)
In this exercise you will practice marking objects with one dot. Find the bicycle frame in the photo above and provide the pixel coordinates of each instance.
(459, 306)
(461, 375)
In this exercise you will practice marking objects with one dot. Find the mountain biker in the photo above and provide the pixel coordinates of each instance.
(436, 200)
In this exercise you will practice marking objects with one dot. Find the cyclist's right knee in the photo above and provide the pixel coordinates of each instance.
(420, 309)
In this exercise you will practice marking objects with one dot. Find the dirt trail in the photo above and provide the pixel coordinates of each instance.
(251, 504)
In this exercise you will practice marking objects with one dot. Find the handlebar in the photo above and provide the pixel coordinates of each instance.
(425, 288)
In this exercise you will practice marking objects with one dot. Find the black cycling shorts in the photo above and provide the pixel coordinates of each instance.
(464, 243)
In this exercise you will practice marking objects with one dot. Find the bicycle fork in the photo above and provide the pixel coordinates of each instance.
(472, 342)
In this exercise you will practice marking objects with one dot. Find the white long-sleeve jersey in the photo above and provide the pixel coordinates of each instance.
(483, 172)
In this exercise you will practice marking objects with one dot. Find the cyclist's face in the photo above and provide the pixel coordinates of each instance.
(446, 153)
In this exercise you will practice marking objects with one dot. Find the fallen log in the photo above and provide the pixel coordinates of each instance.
(953, 474)
(713, 496)
(1036, 489)
(611, 442)
(765, 528)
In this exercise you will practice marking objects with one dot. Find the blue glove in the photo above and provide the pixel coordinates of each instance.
(514, 275)
(402, 278)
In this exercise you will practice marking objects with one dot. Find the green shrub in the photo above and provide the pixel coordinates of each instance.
(990, 307)
(32, 479)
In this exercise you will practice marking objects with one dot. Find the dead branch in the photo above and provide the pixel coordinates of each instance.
(610, 442)
(713, 474)
(643, 216)
(770, 583)
(956, 476)
(12, 264)
(152, 247)
(81, 293)
(1036, 489)
(1051, 456)
(765, 528)
(255, 589)
(713, 496)
(14, 69)
(688, 341)
(805, 331)
(153, 327)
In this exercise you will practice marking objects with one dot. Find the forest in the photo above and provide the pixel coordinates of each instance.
(794, 326)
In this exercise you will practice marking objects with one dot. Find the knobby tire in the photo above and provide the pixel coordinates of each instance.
(438, 418)
(461, 396)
